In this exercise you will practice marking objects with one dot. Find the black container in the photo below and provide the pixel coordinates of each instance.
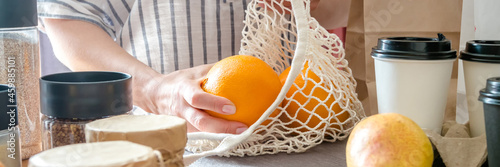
(490, 96)
(71, 100)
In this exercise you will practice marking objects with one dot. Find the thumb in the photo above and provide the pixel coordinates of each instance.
(200, 99)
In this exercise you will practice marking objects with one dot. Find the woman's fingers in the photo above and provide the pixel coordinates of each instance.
(206, 123)
(180, 94)
(198, 98)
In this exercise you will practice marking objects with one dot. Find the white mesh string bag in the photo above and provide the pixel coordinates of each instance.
(277, 38)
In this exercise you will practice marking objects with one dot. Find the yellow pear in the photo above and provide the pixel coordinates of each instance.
(388, 140)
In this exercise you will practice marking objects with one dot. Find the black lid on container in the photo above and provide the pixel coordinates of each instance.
(482, 51)
(86, 95)
(414, 48)
(8, 109)
(491, 94)
(18, 13)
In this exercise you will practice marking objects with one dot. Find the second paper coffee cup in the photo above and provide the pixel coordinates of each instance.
(413, 76)
(481, 60)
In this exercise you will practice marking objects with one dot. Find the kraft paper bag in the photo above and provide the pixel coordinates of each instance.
(370, 20)
(486, 19)
(466, 34)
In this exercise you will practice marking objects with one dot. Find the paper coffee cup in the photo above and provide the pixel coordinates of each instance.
(481, 60)
(413, 76)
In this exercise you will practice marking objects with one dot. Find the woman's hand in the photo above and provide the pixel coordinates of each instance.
(179, 94)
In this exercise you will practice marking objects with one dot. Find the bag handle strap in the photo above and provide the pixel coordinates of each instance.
(161, 163)
(229, 141)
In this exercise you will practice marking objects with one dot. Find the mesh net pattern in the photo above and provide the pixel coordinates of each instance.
(271, 35)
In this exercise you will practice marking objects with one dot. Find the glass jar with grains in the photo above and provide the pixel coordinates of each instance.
(10, 150)
(71, 100)
(20, 67)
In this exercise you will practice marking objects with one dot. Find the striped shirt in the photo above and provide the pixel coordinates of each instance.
(167, 35)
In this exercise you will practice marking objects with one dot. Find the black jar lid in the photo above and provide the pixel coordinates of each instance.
(491, 94)
(86, 95)
(18, 13)
(8, 109)
(487, 51)
(414, 48)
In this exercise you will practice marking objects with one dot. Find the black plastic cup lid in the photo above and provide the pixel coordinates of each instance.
(18, 13)
(487, 51)
(8, 109)
(86, 95)
(414, 48)
(491, 94)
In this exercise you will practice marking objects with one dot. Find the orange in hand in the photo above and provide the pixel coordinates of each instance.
(248, 82)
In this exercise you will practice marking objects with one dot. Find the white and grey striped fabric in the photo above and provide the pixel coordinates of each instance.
(166, 35)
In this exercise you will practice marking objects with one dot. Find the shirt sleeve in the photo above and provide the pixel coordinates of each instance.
(98, 12)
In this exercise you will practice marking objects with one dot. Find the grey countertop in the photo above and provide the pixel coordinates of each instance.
(325, 154)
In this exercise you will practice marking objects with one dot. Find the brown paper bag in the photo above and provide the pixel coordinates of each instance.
(370, 20)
